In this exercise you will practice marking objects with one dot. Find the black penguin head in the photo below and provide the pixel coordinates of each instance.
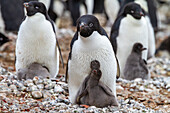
(95, 64)
(133, 9)
(138, 48)
(87, 24)
(34, 7)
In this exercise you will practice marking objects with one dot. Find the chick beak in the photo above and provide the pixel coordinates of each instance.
(26, 5)
(143, 49)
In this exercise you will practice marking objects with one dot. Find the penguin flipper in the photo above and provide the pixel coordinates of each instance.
(82, 91)
(143, 63)
(66, 75)
(118, 68)
(103, 32)
(115, 32)
(81, 94)
(106, 89)
(69, 57)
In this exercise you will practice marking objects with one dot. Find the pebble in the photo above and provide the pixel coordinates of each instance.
(40, 86)
(37, 94)
(168, 86)
(58, 89)
(141, 88)
(13, 87)
(34, 88)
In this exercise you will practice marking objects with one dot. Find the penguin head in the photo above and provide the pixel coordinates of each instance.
(138, 48)
(34, 7)
(86, 24)
(95, 64)
(133, 9)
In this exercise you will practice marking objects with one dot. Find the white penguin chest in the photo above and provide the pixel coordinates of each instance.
(36, 36)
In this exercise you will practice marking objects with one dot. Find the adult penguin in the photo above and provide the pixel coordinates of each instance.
(37, 40)
(149, 8)
(89, 43)
(129, 27)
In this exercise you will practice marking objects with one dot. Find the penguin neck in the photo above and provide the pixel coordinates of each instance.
(134, 21)
(38, 17)
(139, 54)
(92, 41)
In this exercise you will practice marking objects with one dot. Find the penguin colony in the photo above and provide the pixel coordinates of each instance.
(94, 58)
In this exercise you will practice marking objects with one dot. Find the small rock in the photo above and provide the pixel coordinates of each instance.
(46, 81)
(37, 94)
(168, 86)
(141, 88)
(40, 86)
(28, 82)
(34, 88)
(58, 89)
(49, 86)
(13, 87)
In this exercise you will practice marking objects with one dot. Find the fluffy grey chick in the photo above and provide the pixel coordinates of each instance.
(34, 69)
(135, 66)
(93, 92)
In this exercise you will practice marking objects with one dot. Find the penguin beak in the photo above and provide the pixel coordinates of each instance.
(26, 5)
(143, 49)
(141, 13)
(82, 25)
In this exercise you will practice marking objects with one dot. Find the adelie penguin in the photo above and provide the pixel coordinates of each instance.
(89, 43)
(136, 67)
(129, 27)
(149, 9)
(37, 40)
(93, 92)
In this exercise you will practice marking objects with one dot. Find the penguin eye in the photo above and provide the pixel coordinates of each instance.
(36, 7)
(132, 11)
(91, 24)
(139, 47)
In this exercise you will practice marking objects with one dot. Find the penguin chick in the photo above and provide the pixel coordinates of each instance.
(35, 69)
(93, 92)
(37, 40)
(135, 66)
